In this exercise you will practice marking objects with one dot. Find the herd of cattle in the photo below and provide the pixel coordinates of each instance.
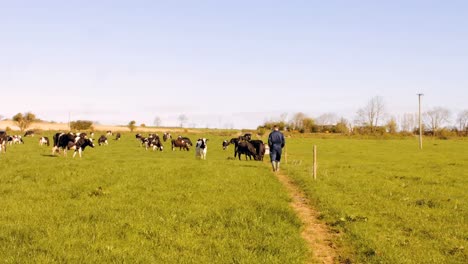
(79, 141)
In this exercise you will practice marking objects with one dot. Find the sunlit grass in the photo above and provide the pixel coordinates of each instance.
(392, 202)
(120, 203)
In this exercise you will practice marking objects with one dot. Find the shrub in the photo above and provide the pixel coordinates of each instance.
(81, 125)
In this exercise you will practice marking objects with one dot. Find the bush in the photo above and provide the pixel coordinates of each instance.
(81, 125)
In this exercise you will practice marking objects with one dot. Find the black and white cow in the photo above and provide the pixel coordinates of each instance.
(44, 141)
(166, 136)
(201, 148)
(15, 139)
(155, 143)
(109, 133)
(117, 136)
(70, 141)
(102, 140)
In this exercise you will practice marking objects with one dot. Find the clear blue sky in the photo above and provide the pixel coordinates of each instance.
(229, 63)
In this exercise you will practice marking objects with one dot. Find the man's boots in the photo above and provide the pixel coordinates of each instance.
(273, 165)
(277, 165)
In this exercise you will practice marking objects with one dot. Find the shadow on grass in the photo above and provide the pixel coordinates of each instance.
(49, 155)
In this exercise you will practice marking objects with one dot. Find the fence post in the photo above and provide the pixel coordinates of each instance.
(315, 162)
(286, 154)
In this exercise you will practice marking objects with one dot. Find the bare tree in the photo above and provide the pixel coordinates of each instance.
(409, 122)
(327, 119)
(462, 120)
(157, 121)
(372, 113)
(182, 119)
(298, 121)
(436, 118)
(24, 120)
(283, 117)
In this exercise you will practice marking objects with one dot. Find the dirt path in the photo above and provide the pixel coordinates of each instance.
(314, 232)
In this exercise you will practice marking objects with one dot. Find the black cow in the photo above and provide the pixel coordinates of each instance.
(44, 141)
(29, 133)
(234, 141)
(247, 136)
(246, 148)
(70, 141)
(117, 137)
(259, 147)
(102, 140)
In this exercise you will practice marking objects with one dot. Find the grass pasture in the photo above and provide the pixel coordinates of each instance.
(122, 204)
(392, 202)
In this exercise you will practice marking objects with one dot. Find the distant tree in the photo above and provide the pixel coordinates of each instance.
(372, 113)
(182, 119)
(81, 125)
(435, 118)
(157, 121)
(409, 122)
(308, 125)
(131, 125)
(297, 122)
(23, 121)
(391, 126)
(326, 119)
(143, 125)
(342, 126)
(462, 120)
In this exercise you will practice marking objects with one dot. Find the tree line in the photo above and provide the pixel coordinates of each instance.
(373, 119)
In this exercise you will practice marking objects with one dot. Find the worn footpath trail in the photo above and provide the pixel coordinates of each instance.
(314, 232)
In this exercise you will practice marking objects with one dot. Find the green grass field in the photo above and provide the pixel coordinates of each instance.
(390, 202)
(152, 207)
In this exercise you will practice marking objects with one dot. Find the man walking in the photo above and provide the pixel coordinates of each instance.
(276, 143)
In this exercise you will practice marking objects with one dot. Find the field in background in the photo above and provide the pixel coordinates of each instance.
(120, 203)
(392, 202)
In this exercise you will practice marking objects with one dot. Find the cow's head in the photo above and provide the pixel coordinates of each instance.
(225, 144)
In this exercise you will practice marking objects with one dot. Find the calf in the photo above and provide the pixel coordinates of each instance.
(201, 148)
(117, 137)
(44, 141)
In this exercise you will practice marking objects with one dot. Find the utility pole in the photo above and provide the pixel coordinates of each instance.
(420, 123)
